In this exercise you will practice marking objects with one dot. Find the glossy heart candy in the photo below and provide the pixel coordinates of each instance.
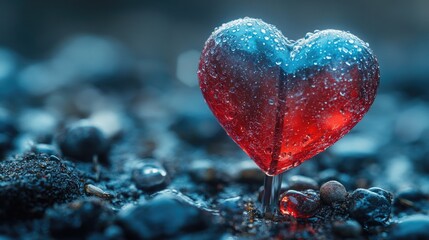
(281, 101)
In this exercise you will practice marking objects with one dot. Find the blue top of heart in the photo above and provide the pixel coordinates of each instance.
(263, 42)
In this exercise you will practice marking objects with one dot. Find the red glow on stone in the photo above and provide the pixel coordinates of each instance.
(299, 204)
(285, 102)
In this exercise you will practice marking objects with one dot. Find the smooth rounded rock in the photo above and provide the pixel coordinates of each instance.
(82, 141)
(332, 192)
(369, 208)
(150, 176)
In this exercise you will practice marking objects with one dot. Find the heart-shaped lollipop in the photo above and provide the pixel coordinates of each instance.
(281, 101)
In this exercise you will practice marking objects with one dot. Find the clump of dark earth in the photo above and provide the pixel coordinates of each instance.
(31, 183)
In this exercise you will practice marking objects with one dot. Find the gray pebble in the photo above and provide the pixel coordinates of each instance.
(333, 191)
(150, 176)
(369, 208)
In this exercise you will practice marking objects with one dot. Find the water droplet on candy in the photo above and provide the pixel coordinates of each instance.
(296, 79)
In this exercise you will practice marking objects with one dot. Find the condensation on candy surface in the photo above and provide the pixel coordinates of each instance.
(282, 101)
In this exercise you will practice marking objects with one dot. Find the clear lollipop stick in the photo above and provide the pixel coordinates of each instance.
(270, 198)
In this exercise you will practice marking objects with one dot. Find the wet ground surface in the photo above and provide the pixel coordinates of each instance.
(125, 152)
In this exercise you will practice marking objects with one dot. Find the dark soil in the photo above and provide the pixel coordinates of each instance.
(121, 154)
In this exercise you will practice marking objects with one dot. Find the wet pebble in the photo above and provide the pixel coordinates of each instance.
(79, 218)
(31, 183)
(411, 227)
(301, 183)
(369, 208)
(82, 141)
(347, 229)
(332, 192)
(150, 176)
(145, 221)
(299, 204)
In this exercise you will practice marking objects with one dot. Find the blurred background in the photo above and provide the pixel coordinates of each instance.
(65, 60)
(170, 34)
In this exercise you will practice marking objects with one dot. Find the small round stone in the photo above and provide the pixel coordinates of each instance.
(347, 229)
(332, 192)
(301, 183)
(82, 141)
(150, 176)
(299, 204)
(369, 208)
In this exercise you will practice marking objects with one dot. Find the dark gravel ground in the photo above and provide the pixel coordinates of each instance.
(96, 152)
